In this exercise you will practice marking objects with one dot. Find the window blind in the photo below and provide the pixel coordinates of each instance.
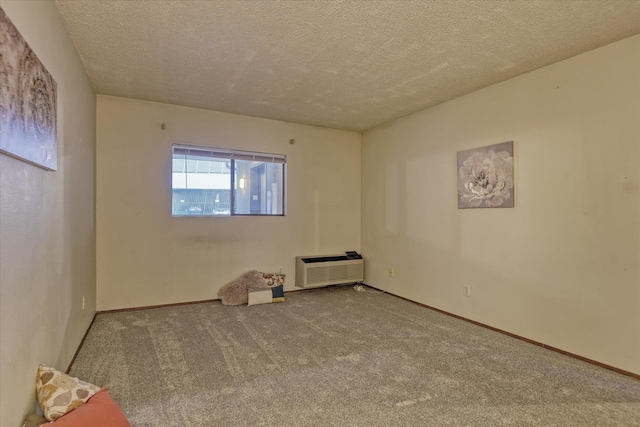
(223, 153)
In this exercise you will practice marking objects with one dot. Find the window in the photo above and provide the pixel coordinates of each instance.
(219, 182)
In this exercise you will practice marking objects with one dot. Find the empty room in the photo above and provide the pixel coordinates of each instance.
(319, 213)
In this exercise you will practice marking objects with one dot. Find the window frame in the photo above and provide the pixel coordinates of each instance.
(226, 154)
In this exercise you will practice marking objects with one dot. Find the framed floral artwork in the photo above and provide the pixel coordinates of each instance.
(485, 177)
(28, 120)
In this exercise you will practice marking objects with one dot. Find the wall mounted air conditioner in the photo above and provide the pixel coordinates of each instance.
(316, 271)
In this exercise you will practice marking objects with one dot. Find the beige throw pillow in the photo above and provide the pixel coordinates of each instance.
(59, 393)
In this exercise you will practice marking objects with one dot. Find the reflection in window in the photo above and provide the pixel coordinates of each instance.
(263, 192)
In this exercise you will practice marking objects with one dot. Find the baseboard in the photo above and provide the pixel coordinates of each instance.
(530, 341)
(147, 307)
(81, 342)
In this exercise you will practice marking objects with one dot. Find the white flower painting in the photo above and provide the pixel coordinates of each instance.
(485, 177)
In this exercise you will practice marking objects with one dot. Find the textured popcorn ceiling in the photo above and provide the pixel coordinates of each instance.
(341, 64)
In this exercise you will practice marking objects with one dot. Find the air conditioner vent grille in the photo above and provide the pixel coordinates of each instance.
(328, 273)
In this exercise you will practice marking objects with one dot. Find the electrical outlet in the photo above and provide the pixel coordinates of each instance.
(83, 302)
(466, 290)
(390, 272)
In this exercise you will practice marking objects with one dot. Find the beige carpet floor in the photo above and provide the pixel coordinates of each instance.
(336, 357)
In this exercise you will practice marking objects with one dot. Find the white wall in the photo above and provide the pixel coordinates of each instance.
(47, 226)
(562, 267)
(147, 257)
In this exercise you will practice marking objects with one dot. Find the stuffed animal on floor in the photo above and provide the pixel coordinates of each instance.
(236, 291)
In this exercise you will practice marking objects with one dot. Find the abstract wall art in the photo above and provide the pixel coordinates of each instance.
(485, 177)
(28, 118)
